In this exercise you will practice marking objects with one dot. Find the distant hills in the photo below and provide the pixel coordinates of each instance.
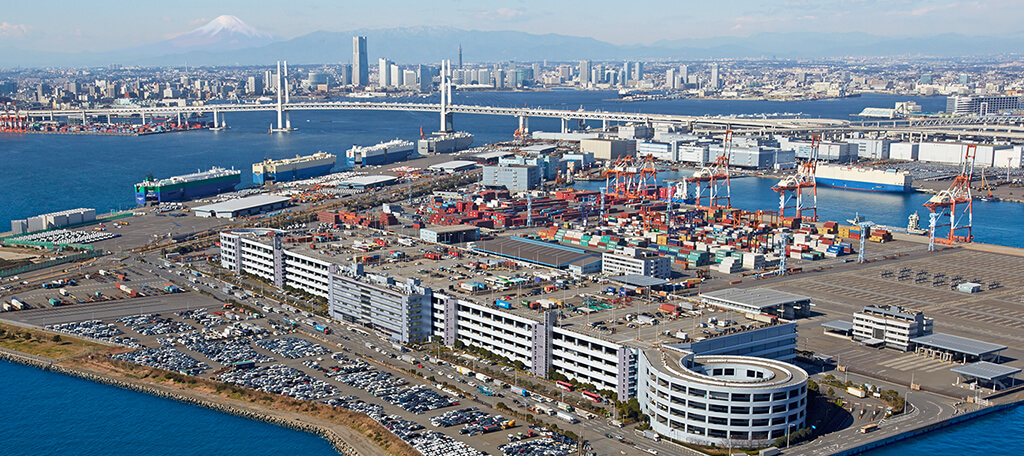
(228, 41)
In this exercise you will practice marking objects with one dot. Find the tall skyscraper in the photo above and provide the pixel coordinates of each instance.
(684, 74)
(384, 73)
(627, 71)
(715, 83)
(671, 81)
(360, 67)
(584, 72)
(638, 71)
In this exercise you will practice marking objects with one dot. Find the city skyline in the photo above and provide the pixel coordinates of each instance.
(32, 29)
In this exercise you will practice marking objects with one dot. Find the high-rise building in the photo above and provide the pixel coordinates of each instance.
(684, 74)
(384, 72)
(638, 71)
(396, 75)
(714, 76)
(360, 67)
(627, 71)
(425, 79)
(584, 72)
(345, 75)
(671, 81)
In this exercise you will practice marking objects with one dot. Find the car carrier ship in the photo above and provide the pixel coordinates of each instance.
(864, 179)
(188, 186)
(384, 153)
(290, 169)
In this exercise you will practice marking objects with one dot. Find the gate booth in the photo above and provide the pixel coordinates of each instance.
(987, 375)
(956, 349)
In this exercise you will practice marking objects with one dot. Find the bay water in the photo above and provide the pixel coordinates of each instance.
(47, 413)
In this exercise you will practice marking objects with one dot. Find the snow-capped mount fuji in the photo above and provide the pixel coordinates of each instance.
(225, 33)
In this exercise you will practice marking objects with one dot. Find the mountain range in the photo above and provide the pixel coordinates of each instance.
(228, 41)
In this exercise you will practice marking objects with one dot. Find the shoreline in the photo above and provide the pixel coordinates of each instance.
(342, 446)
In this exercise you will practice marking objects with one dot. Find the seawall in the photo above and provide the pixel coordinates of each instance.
(926, 429)
(342, 447)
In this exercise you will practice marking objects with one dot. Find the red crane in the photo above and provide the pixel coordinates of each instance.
(954, 203)
(712, 178)
(791, 189)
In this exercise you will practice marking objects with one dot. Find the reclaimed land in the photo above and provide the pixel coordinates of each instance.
(351, 433)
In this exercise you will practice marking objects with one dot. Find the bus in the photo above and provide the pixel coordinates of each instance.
(592, 396)
(564, 385)
(868, 428)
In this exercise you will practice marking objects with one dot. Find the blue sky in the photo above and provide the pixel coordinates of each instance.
(71, 26)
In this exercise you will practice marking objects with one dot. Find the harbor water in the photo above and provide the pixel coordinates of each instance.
(50, 413)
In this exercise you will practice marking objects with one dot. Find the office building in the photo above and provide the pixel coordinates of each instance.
(759, 301)
(870, 148)
(585, 69)
(671, 80)
(636, 261)
(454, 234)
(728, 401)
(715, 82)
(890, 326)
(512, 177)
(384, 72)
(360, 67)
(962, 105)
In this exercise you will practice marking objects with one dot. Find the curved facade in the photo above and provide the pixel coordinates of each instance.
(722, 400)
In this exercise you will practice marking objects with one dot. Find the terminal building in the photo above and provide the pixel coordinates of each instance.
(240, 207)
(632, 260)
(720, 400)
(512, 177)
(892, 327)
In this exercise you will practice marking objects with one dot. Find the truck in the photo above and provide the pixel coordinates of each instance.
(652, 435)
(55, 302)
(567, 417)
(322, 329)
(482, 377)
(409, 359)
(464, 370)
(63, 292)
(171, 288)
(126, 290)
(503, 304)
(17, 303)
(856, 392)
(518, 391)
(485, 390)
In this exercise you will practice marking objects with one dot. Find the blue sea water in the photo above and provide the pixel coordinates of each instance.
(46, 413)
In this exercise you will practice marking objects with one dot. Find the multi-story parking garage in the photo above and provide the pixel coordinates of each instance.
(736, 401)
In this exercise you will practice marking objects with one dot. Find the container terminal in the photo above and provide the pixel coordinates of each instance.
(591, 288)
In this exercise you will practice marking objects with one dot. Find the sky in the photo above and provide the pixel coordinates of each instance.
(75, 25)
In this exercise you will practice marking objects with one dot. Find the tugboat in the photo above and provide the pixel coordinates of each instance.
(914, 225)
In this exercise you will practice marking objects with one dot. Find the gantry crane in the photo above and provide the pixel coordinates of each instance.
(631, 178)
(954, 202)
(791, 189)
(712, 178)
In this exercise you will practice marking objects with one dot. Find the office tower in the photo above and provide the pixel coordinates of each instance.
(638, 71)
(345, 75)
(584, 72)
(714, 76)
(426, 81)
(671, 81)
(360, 67)
(396, 75)
(627, 71)
(384, 72)
(684, 75)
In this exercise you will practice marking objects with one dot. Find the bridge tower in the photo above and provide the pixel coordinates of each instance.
(955, 203)
(447, 117)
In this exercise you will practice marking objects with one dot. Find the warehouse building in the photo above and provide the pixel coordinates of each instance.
(759, 301)
(542, 253)
(53, 220)
(734, 401)
(454, 234)
(608, 149)
(512, 177)
(367, 182)
(398, 308)
(241, 207)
